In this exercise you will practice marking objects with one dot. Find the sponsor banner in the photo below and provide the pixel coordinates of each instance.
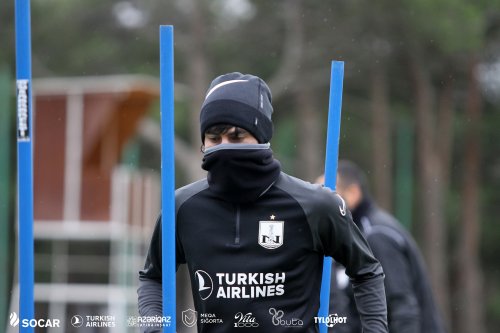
(240, 285)
(108, 321)
(280, 319)
(331, 320)
(149, 321)
(210, 318)
(15, 321)
(77, 321)
(190, 318)
(93, 321)
(245, 320)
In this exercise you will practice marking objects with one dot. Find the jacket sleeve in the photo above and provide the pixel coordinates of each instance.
(150, 302)
(150, 278)
(342, 301)
(339, 238)
(402, 302)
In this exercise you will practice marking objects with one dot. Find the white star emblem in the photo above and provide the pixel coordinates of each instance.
(272, 217)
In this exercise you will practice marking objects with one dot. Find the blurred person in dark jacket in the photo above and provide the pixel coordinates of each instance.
(410, 304)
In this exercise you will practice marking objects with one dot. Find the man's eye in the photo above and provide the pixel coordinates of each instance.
(239, 133)
(212, 137)
(237, 137)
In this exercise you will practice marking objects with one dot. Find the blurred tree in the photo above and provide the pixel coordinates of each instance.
(429, 55)
(470, 311)
(431, 218)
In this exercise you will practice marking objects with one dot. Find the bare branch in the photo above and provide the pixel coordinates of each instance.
(292, 50)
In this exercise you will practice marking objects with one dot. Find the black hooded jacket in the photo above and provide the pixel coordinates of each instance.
(410, 304)
(258, 265)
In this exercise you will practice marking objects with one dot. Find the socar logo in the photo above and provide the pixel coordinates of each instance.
(14, 319)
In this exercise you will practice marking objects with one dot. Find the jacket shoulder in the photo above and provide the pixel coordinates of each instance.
(313, 198)
(186, 192)
(382, 224)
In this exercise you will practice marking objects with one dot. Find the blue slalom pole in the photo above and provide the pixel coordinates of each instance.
(331, 163)
(25, 163)
(167, 174)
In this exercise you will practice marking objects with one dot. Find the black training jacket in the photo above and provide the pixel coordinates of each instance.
(410, 304)
(258, 266)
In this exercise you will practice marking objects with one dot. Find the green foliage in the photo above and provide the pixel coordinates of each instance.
(448, 25)
(284, 142)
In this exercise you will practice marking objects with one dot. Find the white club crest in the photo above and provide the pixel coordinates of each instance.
(271, 234)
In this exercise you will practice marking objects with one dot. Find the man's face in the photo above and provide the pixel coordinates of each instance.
(229, 135)
(352, 193)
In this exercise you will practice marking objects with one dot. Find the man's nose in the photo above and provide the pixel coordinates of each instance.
(224, 139)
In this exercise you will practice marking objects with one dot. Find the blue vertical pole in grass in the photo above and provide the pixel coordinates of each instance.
(25, 162)
(331, 162)
(167, 173)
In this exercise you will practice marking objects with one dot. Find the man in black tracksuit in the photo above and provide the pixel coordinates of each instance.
(410, 304)
(254, 237)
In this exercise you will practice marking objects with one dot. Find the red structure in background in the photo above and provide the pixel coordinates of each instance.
(81, 128)
(93, 215)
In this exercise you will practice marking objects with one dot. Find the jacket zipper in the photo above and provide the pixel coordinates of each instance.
(237, 226)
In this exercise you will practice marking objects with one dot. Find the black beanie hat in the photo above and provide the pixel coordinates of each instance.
(242, 100)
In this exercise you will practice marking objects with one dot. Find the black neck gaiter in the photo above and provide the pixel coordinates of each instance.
(240, 173)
